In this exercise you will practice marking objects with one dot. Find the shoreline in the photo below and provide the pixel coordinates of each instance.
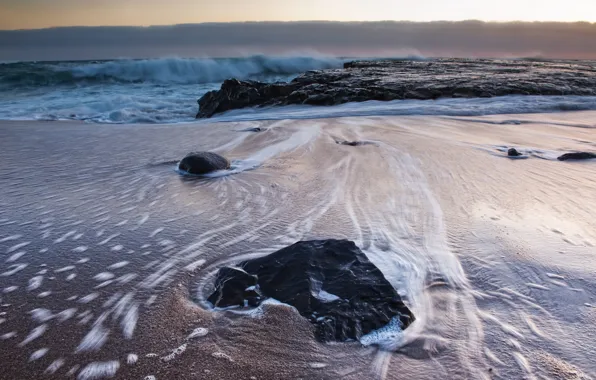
(443, 107)
(249, 119)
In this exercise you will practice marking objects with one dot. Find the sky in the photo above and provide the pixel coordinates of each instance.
(33, 14)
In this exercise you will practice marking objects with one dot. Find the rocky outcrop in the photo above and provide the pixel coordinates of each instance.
(402, 79)
(235, 94)
(512, 152)
(330, 282)
(577, 156)
(203, 163)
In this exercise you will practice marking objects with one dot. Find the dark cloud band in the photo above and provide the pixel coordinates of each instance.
(467, 38)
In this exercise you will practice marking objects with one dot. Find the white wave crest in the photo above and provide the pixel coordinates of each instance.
(207, 70)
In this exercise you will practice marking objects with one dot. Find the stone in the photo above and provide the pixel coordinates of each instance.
(386, 80)
(330, 282)
(203, 163)
(235, 287)
(355, 143)
(254, 129)
(577, 156)
(512, 152)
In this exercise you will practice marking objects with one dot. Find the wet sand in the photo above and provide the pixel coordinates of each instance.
(107, 253)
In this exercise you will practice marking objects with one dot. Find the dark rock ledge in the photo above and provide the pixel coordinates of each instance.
(402, 79)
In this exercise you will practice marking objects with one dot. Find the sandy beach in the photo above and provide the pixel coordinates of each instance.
(107, 253)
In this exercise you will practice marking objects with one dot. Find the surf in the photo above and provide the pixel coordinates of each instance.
(161, 71)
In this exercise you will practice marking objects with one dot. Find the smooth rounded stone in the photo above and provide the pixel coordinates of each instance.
(512, 152)
(330, 282)
(577, 156)
(203, 163)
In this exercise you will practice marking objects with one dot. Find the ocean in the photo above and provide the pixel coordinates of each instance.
(166, 90)
(132, 91)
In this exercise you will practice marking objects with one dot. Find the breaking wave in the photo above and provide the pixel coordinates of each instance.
(166, 90)
(160, 71)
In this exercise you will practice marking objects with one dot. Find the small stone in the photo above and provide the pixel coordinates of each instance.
(221, 355)
(577, 156)
(131, 359)
(254, 129)
(198, 333)
(355, 143)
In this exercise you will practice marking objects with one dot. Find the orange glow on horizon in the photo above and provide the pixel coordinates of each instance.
(32, 14)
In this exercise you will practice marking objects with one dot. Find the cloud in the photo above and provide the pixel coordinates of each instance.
(441, 38)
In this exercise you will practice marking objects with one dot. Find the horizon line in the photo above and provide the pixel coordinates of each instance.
(304, 22)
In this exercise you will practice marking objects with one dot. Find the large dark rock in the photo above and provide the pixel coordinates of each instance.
(235, 287)
(408, 79)
(577, 156)
(203, 163)
(330, 282)
(512, 152)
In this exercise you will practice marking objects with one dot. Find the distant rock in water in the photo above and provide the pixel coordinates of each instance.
(387, 80)
(203, 163)
(577, 156)
(512, 152)
(330, 282)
